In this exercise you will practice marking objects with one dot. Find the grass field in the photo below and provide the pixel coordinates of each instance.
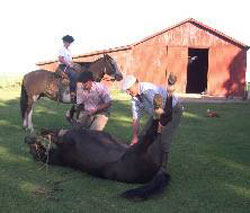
(209, 163)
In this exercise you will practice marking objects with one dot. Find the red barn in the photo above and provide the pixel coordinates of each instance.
(204, 59)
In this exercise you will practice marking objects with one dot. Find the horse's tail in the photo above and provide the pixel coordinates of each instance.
(23, 100)
(154, 187)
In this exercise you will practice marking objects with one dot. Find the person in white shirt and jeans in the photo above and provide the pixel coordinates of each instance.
(142, 94)
(66, 64)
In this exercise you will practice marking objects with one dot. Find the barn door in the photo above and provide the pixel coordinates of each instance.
(177, 59)
(225, 77)
(197, 70)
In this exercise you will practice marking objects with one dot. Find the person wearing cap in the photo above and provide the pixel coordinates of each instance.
(142, 94)
(66, 64)
(93, 103)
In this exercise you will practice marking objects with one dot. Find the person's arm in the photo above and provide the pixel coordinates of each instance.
(100, 108)
(135, 131)
(107, 101)
(104, 106)
(63, 61)
(137, 114)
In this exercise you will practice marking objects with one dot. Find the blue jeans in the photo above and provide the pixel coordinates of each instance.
(72, 78)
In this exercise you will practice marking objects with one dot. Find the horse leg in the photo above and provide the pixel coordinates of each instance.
(29, 119)
(28, 125)
(26, 113)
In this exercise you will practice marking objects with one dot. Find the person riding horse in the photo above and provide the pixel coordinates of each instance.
(66, 64)
(44, 83)
(143, 94)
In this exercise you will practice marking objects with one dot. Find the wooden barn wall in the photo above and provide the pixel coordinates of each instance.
(177, 62)
(153, 59)
(226, 74)
(150, 62)
(169, 51)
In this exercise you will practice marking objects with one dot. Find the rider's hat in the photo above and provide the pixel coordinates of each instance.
(68, 38)
(85, 77)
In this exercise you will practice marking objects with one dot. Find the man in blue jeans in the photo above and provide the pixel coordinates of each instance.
(66, 64)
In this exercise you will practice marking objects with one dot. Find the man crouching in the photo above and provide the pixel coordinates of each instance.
(93, 104)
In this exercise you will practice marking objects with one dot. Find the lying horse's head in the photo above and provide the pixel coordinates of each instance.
(41, 145)
(37, 149)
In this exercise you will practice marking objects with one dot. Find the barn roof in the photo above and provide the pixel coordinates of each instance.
(128, 47)
(110, 50)
(200, 25)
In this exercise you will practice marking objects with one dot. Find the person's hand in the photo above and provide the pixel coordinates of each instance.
(68, 116)
(171, 90)
(134, 141)
(70, 65)
(92, 111)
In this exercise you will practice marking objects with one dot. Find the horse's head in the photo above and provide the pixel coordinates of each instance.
(37, 149)
(111, 69)
(41, 144)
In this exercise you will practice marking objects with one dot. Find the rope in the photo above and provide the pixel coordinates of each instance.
(48, 148)
(47, 153)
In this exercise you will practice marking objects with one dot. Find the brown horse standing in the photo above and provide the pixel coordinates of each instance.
(99, 154)
(42, 83)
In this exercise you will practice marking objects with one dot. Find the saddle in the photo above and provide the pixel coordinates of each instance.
(60, 70)
(64, 80)
(60, 73)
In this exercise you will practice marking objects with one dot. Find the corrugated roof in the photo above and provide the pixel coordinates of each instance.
(127, 47)
(115, 49)
(198, 24)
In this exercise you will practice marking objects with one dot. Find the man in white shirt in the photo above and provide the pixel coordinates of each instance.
(142, 94)
(66, 64)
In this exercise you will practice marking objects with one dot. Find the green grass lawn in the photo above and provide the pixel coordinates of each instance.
(209, 163)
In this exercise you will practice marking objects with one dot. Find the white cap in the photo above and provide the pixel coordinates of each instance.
(128, 82)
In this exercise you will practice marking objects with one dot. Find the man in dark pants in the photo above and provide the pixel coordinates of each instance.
(143, 94)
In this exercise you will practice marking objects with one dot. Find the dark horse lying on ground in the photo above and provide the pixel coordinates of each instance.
(41, 83)
(99, 154)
